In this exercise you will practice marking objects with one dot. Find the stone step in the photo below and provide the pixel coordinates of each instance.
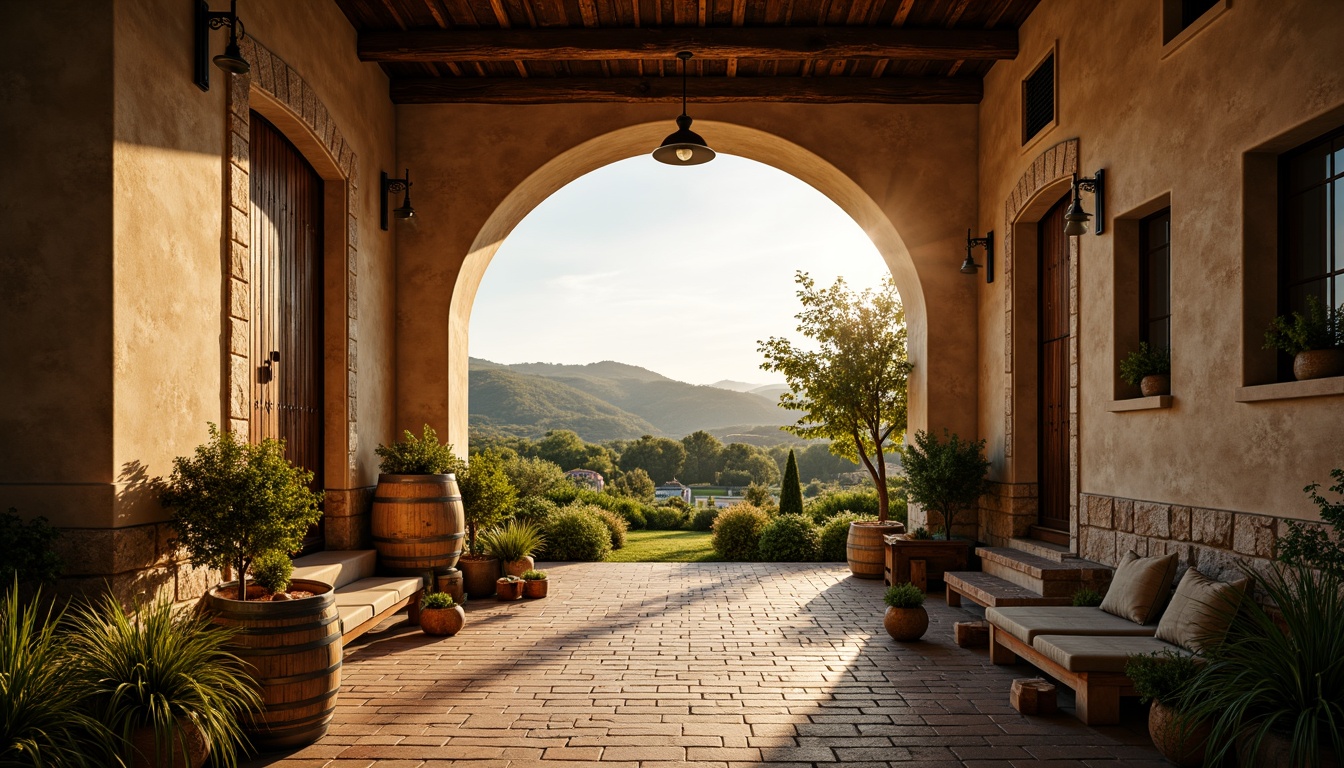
(1043, 549)
(1043, 576)
(993, 592)
(337, 567)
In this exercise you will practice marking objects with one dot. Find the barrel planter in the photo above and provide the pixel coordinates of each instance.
(418, 523)
(866, 550)
(293, 649)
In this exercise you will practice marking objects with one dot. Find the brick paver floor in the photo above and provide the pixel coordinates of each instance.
(643, 665)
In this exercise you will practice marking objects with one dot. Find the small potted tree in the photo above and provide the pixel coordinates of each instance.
(535, 584)
(1162, 677)
(947, 477)
(905, 620)
(488, 497)
(1315, 340)
(1148, 368)
(513, 544)
(440, 615)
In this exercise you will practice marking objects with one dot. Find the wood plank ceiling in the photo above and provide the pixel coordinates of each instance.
(802, 51)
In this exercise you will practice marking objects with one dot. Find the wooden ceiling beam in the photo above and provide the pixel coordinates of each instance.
(445, 45)
(706, 90)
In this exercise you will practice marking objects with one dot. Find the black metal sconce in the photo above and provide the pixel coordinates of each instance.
(391, 185)
(1075, 218)
(231, 60)
(683, 146)
(969, 267)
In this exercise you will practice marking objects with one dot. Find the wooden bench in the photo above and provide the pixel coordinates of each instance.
(992, 592)
(363, 600)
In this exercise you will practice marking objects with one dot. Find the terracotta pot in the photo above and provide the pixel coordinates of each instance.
(506, 590)
(865, 548)
(520, 566)
(479, 573)
(906, 624)
(146, 748)
(1318, 363)
(535, 588)
(451, 582)
(442, 622)
(1183, 745)
(1155, 384)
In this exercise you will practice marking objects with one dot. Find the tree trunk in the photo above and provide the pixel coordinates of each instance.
(242, 579)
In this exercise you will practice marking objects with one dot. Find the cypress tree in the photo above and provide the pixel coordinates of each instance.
(791, 491)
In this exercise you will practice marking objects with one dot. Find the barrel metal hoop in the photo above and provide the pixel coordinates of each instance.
(303, 678)
(415, 499)
(423, 540)
(331, 694)
(246, 652)
(254, 631)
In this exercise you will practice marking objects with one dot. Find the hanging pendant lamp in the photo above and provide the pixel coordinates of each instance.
(684, 146)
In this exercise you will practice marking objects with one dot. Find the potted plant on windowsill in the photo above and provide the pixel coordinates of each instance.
(905, 620)
(1148, 368)
(1162, 677)
(440, 615)
(945, 476)
(1315, 340)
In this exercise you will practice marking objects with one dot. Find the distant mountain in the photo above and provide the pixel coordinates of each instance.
(736, 386)
(770, 392)
(529, 406)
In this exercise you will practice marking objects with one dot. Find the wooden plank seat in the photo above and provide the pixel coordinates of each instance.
(992, 592)
(362, 599)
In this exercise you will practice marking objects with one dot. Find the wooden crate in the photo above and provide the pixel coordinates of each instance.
(1033, 696)
(971, 634)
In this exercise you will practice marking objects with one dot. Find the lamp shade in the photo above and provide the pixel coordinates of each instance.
(231, 60)
(1075, 219)
(684, 146)
(969, 267)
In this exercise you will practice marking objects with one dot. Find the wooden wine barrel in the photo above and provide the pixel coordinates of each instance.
(418, 523)
(866, 551)
(294, 651)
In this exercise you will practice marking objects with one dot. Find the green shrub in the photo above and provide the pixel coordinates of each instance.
(26, 550)
(1311, 545)
(616, 524)
(835, 537)
(829, 505)
(665, 519)
(513, 541)
(417, 455)
(1162, 675)
(945, 476)
(535, 509)
(632, 510)
(921, 534)
(1321, 328)
(273, 570)
(789, 539)
(703, 520)
(577, 533)
(790, 489)
(904, 596)
(534, 575)
(487, 495)
(433, 600)
(737, 532)
(1145, 361)
(1087, 597)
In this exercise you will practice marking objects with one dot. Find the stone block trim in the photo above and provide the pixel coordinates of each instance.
(1007, 511)
(137, 563)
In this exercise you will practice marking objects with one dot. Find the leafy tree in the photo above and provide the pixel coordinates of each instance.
(752, 460)
(758, 495)
(704, 457)
(562, 447)
(530, 476)
(734, 478)
(790, 491)
(816, 462)
(635, 484)
(945, 476)
(662, 458)
(487, 495)
(852, 387)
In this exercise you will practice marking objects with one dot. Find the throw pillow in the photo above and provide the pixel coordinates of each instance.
(1200, 611)
(1140, 587)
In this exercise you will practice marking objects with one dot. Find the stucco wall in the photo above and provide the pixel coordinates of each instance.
(1178, 125)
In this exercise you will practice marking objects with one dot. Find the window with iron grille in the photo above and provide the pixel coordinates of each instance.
(1155, 279)
(1038, 99)
(1311, 225)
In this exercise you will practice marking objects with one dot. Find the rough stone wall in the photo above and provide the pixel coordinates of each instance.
(137, 563)
(1006, 512)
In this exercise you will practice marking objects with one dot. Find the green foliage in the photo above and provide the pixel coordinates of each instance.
(1085, 597)
(1279, 673)
(417, 455)
(631, 510)
(534, 575)
(945, 476)
(163, 668)
(566, 449)
(704, 457)
(850, 383)
(487, 495)
(703, 519)
(635, 484)
(524, 404)
(1147, 360)
(737, 532)
(758, 495)
(744, 464)
(789, 539)
(922, 534)
(660, 457)
(1162, 675)
(1311, 545)
(814, 489)
(1321, 328)
(665, 518)
(233, 501)
(531, 476)
(26, 549)
(577, 533)
(535, 509)
(616, 524)
(43, 721)
(513, 540)
(433, 600)
(790, 490)
(835, 536)
(904, 596)
(859, 502)
(273, 570)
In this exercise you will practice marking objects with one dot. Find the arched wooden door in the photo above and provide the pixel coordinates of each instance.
(286, 282)
(1053, 384)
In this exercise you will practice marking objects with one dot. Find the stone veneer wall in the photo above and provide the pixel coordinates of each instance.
(136, 563)
(1006, 512)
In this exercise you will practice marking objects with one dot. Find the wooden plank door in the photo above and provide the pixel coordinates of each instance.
(286, 217)
(1053, 357)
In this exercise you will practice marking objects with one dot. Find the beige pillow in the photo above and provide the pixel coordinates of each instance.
(1140, 587)
(1200, 611)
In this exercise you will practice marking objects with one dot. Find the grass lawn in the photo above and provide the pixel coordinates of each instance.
(665, 547)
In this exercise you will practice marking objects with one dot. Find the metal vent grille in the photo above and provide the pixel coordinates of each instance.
(1038, 99)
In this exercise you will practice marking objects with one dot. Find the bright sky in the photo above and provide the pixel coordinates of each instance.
(678, 270)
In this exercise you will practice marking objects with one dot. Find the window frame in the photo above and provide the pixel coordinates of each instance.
(1146, 251)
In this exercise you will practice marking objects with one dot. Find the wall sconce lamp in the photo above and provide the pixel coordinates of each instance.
(231, 60)
(969, 267)
(391, 185)
(1075, 218)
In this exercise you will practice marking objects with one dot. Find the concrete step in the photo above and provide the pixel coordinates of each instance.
(1043, 549)
(993, 592)
(1041, 575)
(337, 567)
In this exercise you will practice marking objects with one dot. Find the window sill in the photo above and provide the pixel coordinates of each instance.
(1195, 28)
(1289, 390)
(1140, 404)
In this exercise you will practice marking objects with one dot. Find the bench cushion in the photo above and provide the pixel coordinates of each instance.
(1083, 653)
(1140, 587)
(1027, 622)
(362, 600)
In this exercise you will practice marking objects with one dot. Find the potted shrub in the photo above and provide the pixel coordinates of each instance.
(945, 476)
(906, 619)
(487, 496)
(233, 503)
(440, 615)
(1148, 368)
(508, 588)
(535, 584)
(418, 521)
(1162, 677)
(1315, 340)
(163, 683)
(513, 544)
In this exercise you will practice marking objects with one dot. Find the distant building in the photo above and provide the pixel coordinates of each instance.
(671, 490)
(587, 478)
